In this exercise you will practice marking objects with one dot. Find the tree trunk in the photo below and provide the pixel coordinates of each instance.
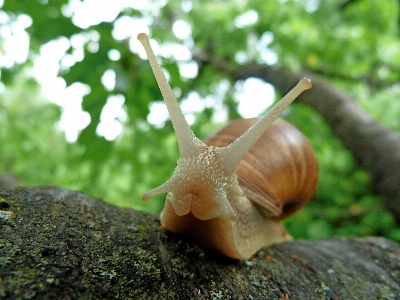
(60, 244)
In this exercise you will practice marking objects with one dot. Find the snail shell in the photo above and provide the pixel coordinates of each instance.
(279, 173)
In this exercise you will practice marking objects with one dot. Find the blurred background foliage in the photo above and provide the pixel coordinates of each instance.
(65, 60)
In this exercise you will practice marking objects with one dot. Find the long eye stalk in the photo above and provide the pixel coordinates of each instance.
(234, 153)
(189, 144)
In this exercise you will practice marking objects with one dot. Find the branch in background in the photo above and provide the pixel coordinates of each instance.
(370, 80)
(375, 148)
(346, 3)
(8, 180)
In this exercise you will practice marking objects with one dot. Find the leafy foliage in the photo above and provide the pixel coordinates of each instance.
(354, 44)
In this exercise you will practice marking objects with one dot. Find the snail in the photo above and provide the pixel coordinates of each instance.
(226, 193)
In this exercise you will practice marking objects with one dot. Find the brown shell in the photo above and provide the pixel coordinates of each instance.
(280, 172)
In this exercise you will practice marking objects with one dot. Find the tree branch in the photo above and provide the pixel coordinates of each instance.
(60, 244)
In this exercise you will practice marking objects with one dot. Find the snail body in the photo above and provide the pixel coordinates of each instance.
(216, 196)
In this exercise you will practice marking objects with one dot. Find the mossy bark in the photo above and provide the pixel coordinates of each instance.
(60, 244)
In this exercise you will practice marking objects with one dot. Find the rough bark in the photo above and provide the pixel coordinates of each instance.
(374, 147)
(60, 244)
